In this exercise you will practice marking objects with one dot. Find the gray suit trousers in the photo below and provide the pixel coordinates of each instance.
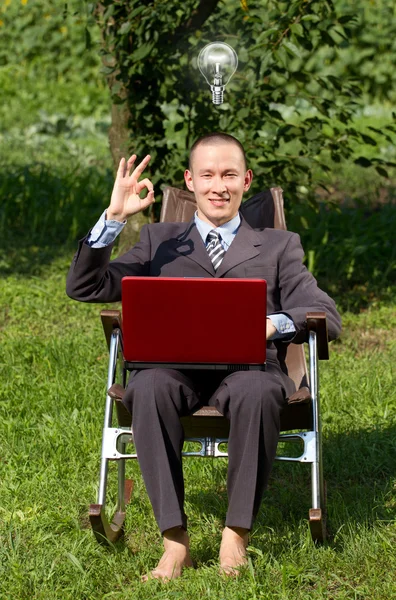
(251, 400)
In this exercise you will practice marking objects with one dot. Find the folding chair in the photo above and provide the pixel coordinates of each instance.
(300, 419)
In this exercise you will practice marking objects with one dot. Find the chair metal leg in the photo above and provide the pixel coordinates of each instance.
(121, 481)
(317, 514)
(108, 531)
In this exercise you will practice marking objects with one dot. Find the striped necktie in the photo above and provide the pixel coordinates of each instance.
(215, 249)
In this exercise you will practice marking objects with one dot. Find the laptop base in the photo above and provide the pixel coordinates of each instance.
(184, 366)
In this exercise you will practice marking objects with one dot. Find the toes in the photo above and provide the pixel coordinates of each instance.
(232, 571)
(154, 574)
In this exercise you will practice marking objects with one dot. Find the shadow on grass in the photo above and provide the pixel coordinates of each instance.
(359, 468)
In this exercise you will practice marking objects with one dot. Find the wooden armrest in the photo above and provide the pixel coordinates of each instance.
(117, 392)
(301, 396)
(316, 321)
(111, 319)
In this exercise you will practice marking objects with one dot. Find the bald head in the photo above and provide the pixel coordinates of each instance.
(213, 139)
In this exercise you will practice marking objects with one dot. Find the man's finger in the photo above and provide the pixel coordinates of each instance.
(129, 164)
(144, 183)
(149, 199)
(121, 168)
(140, 168)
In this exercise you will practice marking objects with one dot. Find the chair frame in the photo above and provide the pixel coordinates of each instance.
(212, 423)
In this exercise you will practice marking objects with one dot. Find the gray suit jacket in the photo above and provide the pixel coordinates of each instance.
(177, 250)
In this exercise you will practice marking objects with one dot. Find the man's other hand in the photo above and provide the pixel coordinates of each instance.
(125, 198)
(271, 329)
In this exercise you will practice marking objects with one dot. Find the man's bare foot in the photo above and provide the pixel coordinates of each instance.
(175, 557)
(233, 550)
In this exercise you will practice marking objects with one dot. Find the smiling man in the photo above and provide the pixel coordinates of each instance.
(221, 244)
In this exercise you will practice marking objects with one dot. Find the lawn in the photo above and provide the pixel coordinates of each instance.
(53, 363)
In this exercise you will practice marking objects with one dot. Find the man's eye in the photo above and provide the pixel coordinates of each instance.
(231, 175)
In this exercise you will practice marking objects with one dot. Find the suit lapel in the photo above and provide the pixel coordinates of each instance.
(192, 247)
(246, 245)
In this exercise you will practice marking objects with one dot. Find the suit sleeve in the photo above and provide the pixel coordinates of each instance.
(93, 277)
(299, 292)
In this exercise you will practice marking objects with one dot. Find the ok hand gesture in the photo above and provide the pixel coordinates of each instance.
(125, 199)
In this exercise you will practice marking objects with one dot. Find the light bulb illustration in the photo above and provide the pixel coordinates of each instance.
(217, 62)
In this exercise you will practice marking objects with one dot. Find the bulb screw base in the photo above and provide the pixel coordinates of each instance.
(217, 94)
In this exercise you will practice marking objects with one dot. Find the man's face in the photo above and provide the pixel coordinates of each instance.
(218, 179)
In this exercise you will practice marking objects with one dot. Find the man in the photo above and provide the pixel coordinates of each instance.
(252, 400)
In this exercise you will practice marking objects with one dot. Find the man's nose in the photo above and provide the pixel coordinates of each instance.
(218, 185)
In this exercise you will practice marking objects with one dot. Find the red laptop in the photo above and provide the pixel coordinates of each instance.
(189, 323)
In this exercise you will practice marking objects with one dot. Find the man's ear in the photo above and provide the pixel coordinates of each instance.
(188, 179)
(248, 180)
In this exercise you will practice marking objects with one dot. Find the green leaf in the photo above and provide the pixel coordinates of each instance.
(125, 28)
(107, 70)
(141, 52)
(313, 18)
(293, 49)
(243, 113)
(297, 29)
(76, 562)
(266, 33)
(137, 11)
(281, 56)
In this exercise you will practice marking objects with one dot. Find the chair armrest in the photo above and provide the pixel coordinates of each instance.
(111, 319)
(117, 392)
(316, 321)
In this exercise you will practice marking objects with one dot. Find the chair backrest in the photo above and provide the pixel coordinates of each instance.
(265, 209)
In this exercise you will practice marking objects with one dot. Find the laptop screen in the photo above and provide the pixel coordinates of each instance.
(197, 321)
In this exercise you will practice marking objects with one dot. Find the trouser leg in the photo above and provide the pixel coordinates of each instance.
(157, 398)
(252, 401)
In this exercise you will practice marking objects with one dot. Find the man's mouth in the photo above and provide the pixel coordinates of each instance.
(218, 201)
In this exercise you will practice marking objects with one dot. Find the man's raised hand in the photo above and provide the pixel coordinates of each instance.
(125, 200)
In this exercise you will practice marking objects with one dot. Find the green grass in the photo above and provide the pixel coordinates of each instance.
(53, 370)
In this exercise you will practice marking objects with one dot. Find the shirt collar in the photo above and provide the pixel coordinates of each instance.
(227, 230)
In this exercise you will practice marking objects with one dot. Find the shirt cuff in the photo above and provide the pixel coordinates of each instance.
(284, 327)
(105, 232)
